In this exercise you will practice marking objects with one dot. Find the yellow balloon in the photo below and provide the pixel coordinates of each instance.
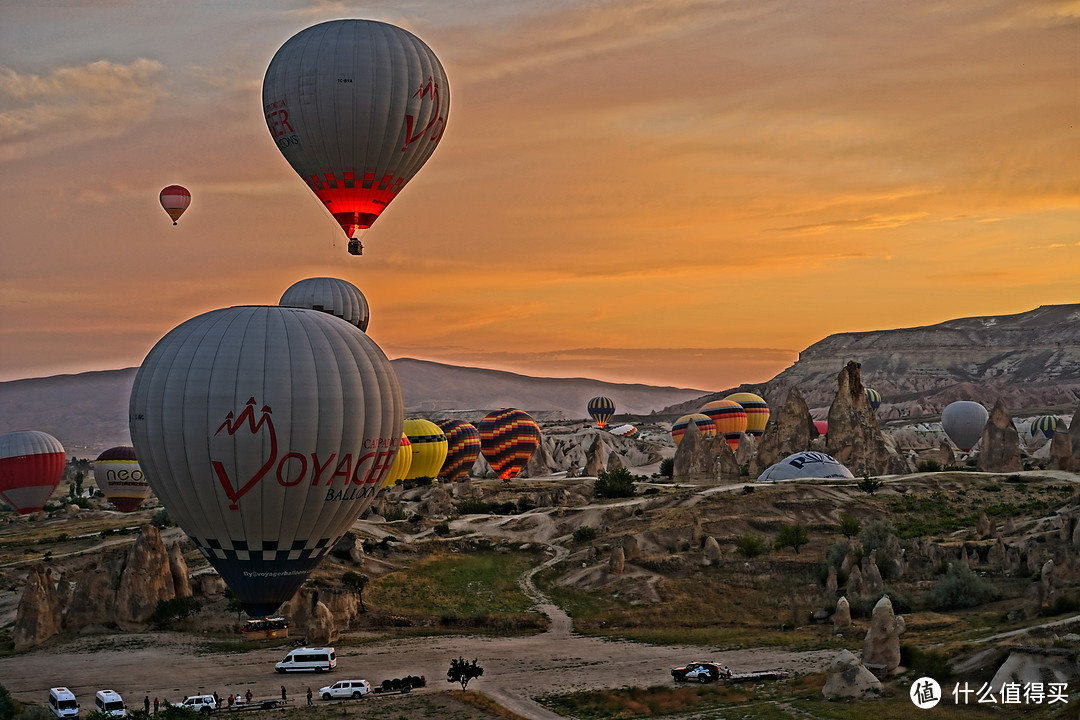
(429, 447)
(757, 411)
(402, 462)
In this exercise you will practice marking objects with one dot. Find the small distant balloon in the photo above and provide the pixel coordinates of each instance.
(963, 421)
(508, 439)
(600, 410)
(1044, 425)
(118, 475)
(874, 398)
(175, 199)
(757, 411)
(730, 419)
(625, 430)
(704, 424)
(31, 466)
(340, 298)
(822, 426)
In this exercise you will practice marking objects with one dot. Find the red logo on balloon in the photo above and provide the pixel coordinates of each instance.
(233, 424)
(431, 88)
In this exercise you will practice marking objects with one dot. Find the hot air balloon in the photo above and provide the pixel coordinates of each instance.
(175, 200)
(402, 462)
(462, 449)
(963, 421)
(805, 465)
(428, 445)
(118, 475)
(730, 419)
(626, 430)
(874, 397)
(340, 298)
(1044, 425)
(508, 438)
(265, 432)
(822, 426)
(356, 107)
(31, 466)
(757, 411)
(704, 423)
(601, 409)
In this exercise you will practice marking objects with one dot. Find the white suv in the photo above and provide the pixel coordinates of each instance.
(204, 704)
(345, 689)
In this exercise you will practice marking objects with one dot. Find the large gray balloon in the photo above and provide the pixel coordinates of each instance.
(805, 465)
(963, 421)
(265, 432)
(340, 298)
(356, 107)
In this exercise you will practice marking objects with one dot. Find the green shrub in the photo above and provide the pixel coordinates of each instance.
(473, 506)
(875, 535)
(585, 533)
(960, 588)
(926, 663)
(667, 467)
(618, 483)
(161, 520)
(929, 466)
(793, 536)
(751, 545)
(176, 608)
(442, 529)
(393, 513)
(850, 525)
(869, 484)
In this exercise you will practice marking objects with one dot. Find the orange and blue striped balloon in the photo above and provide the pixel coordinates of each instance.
(462, 449)
(508, 438)
(704, 423)
(730, 419)
(601, 409)
(757, 412)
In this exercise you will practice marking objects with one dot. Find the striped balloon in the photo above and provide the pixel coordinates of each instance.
(874, 397)
(118, 475)
(625, 430)
(462, 449)
(704, 423)
(730, 419)
(31, 466)
(1044, 425)
(428, 448)
(601, 409)
(508, 438)
(402, 462)
(757, 412)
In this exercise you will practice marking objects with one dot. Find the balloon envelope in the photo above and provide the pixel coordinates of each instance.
(963, 421)
(805, 465)
(873, 397)
(730, 419)
(508, 438)
(340, 298)
(757, 411)
(175, 199)
(1044, 425)
(118, 475)
(462, 449)
(822, 427)
(356, 107)
(704, 423)
(265, 432)
(625, 430)
(31, 466)
(428, 445)
(601, 409)
(402, 463)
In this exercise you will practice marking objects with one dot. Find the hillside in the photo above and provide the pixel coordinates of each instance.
(1031, 360)
(88, 412)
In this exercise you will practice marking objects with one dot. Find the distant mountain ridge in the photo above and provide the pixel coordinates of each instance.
(88, 412)
(1030, 359)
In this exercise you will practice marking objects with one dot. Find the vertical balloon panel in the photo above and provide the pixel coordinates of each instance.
(265, 432)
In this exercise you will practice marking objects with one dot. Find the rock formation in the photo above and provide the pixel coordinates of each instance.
(145, 580)
(855, 438)
(711, 551)
(842, 616)
(786, 433)
(540, 463)
(594, 458)
(1026, 665)
(617, 561)
(38, 617)
(631, 548)
(999, 450)
(615, 461)
(983, 528)
(703, 458)
(1061, 452)
(179, 571)
(881, 649)
(848, 679)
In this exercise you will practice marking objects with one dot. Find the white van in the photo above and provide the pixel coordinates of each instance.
(109, 702)
(316, 659)
(62, 703)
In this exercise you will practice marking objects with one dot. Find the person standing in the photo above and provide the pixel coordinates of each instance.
(309, 696)
(146, 704)
(283, 698)
(155, 706)
(247, 695)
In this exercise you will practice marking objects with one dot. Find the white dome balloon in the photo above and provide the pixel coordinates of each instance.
(805, 465)
(340, 298)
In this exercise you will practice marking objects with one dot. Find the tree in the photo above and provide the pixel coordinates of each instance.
(7, 705)
(462, 671)
(356, 581)
(667, 467)
(177, 608)
(618, 483)
(792, 536)
(849, 526)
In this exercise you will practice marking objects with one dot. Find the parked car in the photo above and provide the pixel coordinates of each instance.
(345, 689)
(701, 672)
(204, 704)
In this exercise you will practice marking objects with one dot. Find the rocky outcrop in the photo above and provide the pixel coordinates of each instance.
(1000, 448)
(311, 617)
(1061, 452)
(786, 433)
(711, 551)
(848, 679)
(703, 458)
(540, 463)
(855, 438)
(1030, 664)
(881, 649)
(179, 571)
(38, 617)
(617, 561)
(594, 457)
(842, 616)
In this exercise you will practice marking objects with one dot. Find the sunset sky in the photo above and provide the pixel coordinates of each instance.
(676, 192)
